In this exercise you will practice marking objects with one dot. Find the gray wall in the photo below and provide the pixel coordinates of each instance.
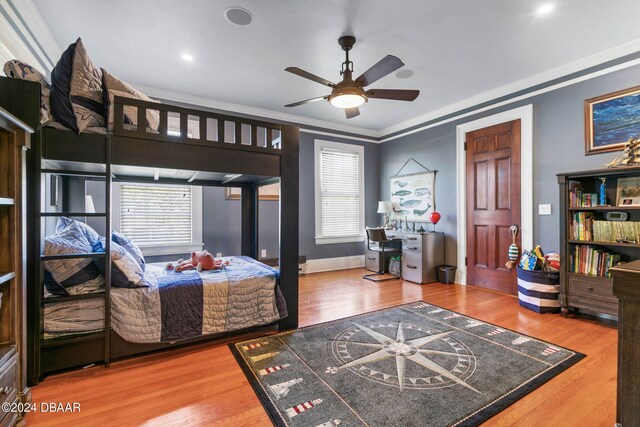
(435, 151)
(221, 228)
(558, 144)
(308, 246)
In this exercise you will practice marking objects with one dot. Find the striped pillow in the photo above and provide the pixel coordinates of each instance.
(130, 246)
(125, 271)
(71, 276)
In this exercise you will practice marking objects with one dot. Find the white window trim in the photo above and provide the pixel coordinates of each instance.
(153, 250)
(359, 149)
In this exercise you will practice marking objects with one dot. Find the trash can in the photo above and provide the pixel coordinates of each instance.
(538, 290)
(446, 273)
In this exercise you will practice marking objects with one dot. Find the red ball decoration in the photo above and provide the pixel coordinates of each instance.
(434, 217)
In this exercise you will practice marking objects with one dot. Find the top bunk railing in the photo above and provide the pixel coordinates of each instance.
(165, 122)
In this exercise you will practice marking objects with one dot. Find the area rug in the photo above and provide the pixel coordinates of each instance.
(412, 365)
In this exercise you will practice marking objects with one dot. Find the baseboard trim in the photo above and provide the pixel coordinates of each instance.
(333, 264)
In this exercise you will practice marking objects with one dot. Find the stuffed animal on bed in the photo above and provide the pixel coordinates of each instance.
(202, 261)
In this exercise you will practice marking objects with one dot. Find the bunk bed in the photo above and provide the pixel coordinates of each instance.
(252, 152)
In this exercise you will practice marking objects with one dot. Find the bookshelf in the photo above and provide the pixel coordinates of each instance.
(14, 140)
(590, 244)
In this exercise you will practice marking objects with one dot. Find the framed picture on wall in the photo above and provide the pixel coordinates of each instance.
(267, 192)
(611, 120)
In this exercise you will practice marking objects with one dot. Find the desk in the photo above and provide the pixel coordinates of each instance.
(421, 254)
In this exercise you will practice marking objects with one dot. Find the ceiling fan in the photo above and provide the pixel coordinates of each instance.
(350, 94)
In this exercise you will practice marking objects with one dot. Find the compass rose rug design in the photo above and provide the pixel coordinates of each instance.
(412, 365)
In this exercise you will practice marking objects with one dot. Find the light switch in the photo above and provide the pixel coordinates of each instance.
(544, 209)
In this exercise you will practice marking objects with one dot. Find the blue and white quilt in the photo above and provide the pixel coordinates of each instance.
(188, 304)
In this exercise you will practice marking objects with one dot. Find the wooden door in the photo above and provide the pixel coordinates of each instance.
(493, 204)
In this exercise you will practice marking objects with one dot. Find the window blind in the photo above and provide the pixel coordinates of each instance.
(156, 214)
(340, 196)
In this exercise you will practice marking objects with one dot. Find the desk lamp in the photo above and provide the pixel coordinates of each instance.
(385, 207)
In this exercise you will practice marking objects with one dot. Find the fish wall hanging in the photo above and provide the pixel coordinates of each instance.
(413, 195)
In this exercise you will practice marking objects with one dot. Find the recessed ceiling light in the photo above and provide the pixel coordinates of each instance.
(238, 15)
(404, 74)
(187, 57)
(545, 8)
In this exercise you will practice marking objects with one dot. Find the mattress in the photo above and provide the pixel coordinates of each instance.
(177, 306)
(73, 317)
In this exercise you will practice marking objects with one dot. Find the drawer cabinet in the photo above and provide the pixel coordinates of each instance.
(372, 260)
(421, 254)
(9, 388)
(412, 267)
(591, 293)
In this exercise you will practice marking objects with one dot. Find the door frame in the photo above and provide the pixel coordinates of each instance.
(525, 114)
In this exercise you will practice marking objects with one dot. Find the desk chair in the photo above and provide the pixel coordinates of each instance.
(379, 236)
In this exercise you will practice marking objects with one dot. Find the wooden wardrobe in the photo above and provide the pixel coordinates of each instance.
(15, 138)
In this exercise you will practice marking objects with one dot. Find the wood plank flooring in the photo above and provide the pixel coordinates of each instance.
(203, 386)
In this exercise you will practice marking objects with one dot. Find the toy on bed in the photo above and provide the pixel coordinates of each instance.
(202, 261)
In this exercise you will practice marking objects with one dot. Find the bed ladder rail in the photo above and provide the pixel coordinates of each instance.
(39, 342)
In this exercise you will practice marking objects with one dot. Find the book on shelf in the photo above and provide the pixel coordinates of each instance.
(578, 198)
(592, 260)
(581, 227)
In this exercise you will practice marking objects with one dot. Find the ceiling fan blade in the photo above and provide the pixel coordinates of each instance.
(352, 112)
(395, 94)
(306, 101)
(385, 66)
(307, 75)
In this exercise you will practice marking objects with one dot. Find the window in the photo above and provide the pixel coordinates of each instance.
(162, 219)
(339, 192)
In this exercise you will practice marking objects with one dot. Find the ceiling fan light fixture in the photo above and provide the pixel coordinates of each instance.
(347, 100)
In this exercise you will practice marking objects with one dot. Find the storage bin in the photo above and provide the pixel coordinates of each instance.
(446, 274)
(538, 290)
(395, 266)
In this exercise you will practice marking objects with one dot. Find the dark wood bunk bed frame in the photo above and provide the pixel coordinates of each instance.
(258, 164)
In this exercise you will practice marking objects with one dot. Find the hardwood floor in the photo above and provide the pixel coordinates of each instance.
(203, 386)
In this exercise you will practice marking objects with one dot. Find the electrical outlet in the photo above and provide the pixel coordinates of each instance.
(544, 209)
(263, 253)
(218, 254)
